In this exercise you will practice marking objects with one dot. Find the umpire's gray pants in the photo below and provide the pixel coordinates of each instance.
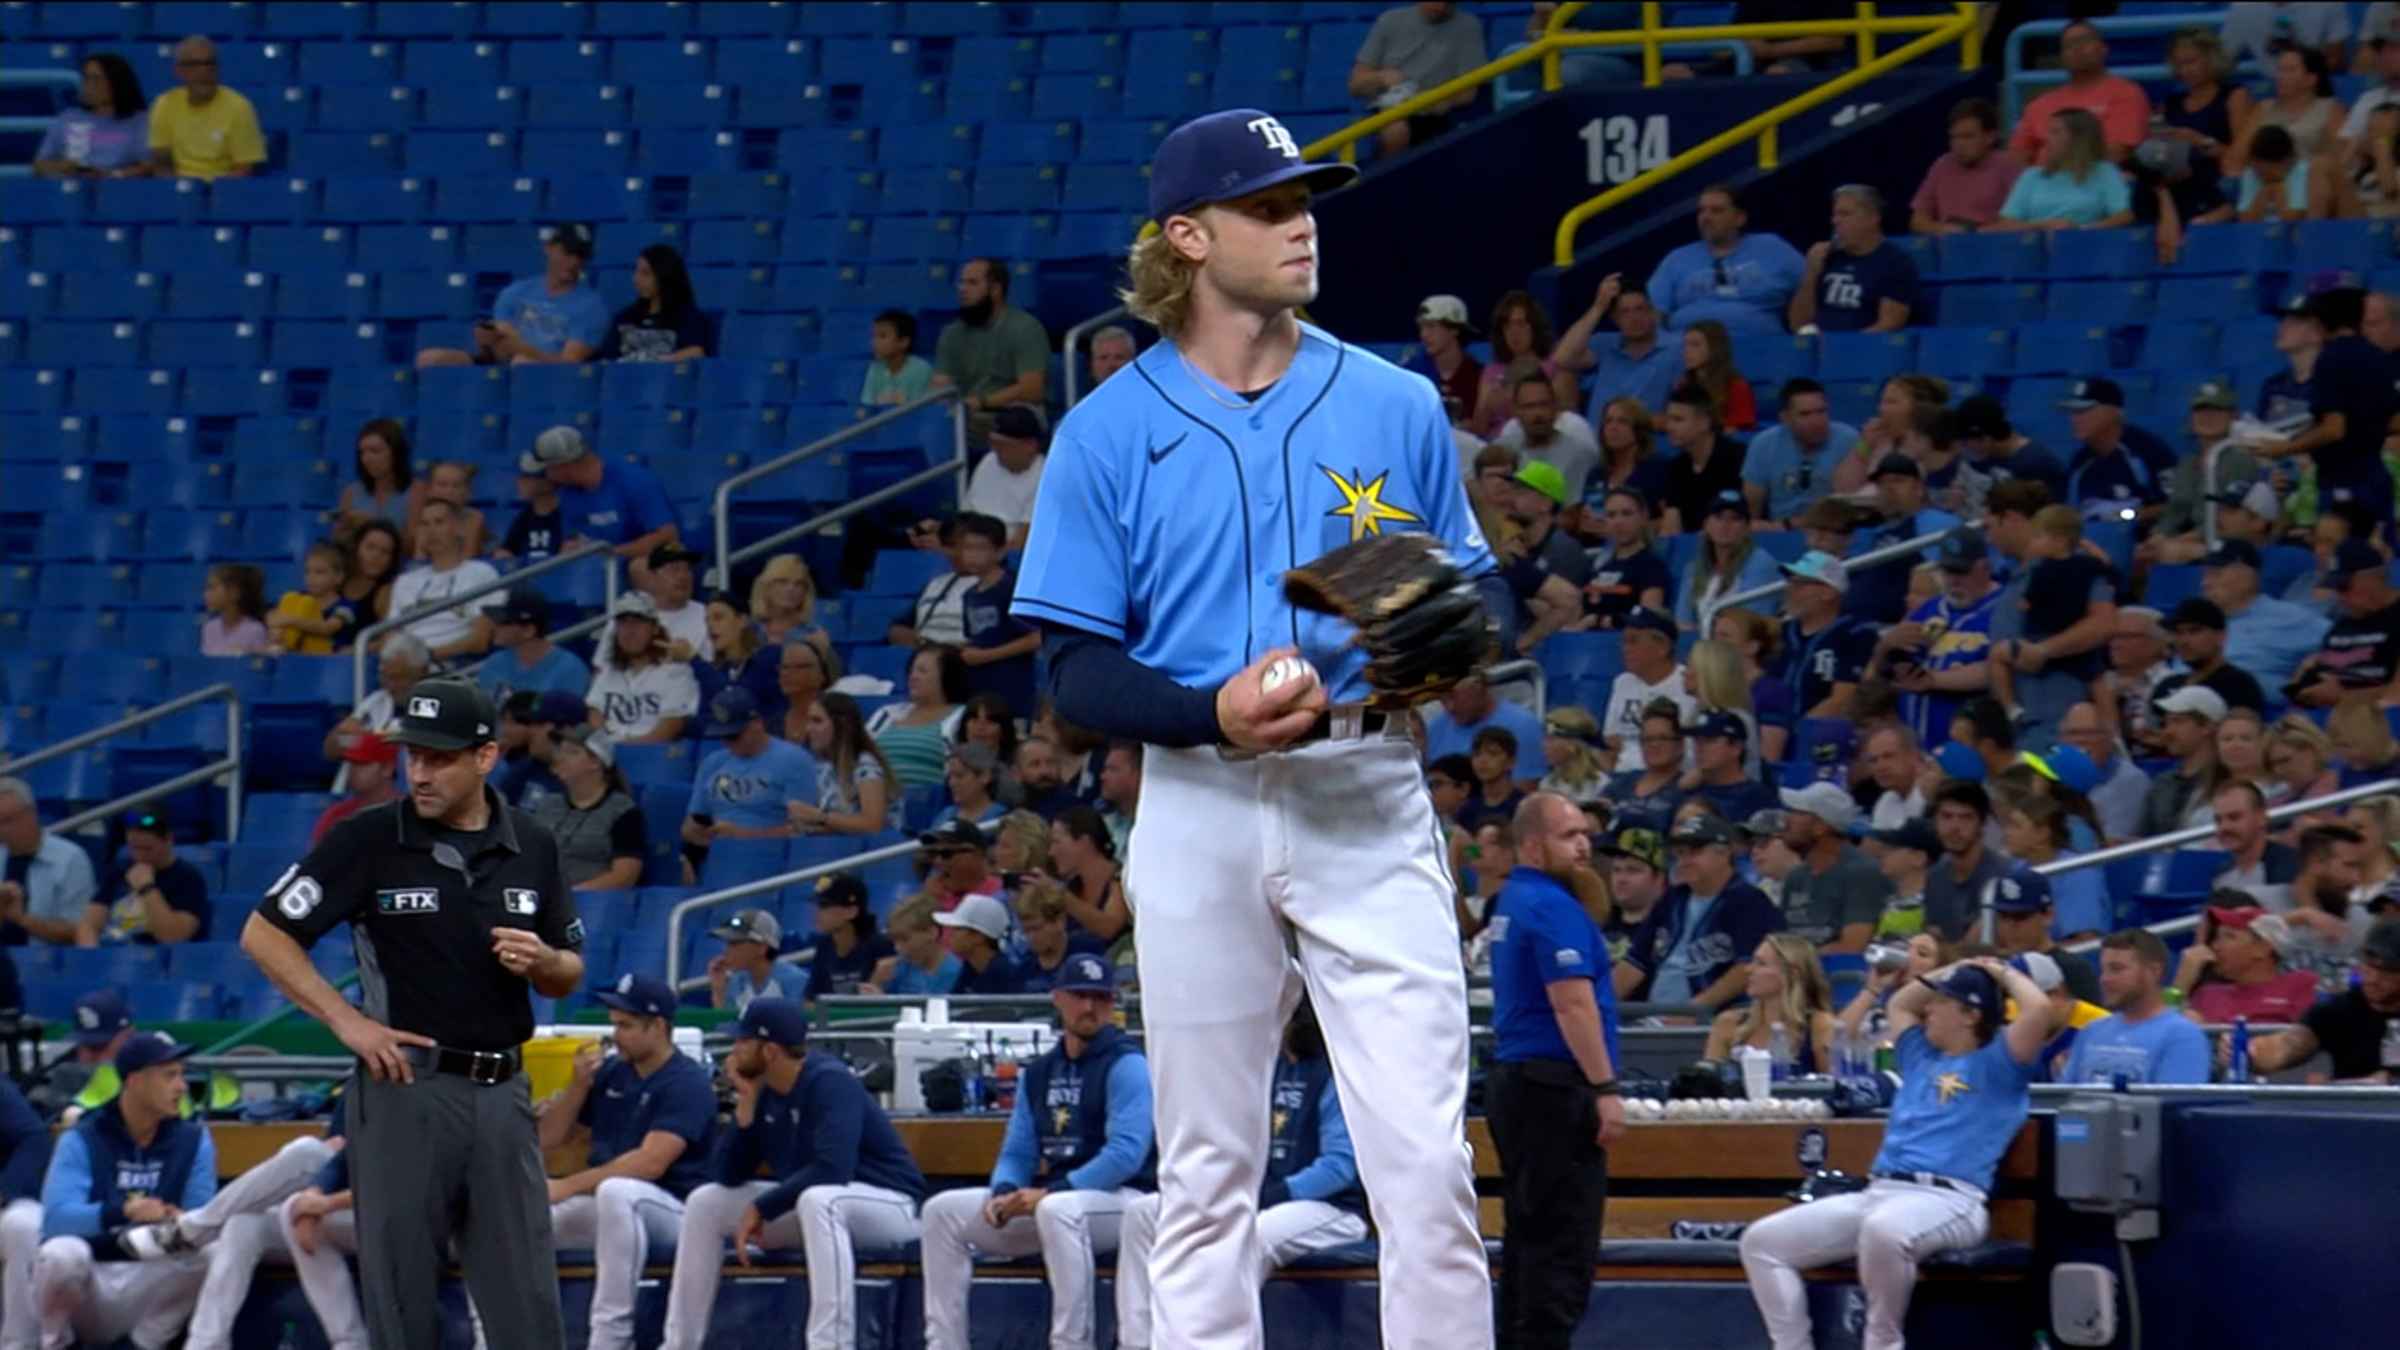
(445, 1159)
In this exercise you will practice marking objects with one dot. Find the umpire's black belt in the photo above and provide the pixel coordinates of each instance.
(487, 1067)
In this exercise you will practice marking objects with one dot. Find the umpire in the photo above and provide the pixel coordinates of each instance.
(458, 905)
(1552, 1100)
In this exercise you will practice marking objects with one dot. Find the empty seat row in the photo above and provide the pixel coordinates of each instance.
(2032, 347)
(2240, 247)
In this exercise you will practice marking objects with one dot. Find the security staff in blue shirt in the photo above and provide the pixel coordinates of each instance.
(648, 1112)
(1964, 1074)
(835, 1176)
(1079, 1150)
(1553, 1100)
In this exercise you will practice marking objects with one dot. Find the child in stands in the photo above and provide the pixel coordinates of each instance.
(451, 480)
(236, 600)
(2065, 576)
(317, 619)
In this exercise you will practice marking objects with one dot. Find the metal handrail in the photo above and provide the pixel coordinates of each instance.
(366, 637)
(32, 79)
(722, 510)
(1527, 669)
(1960, 27)
(904, 849)
(1073, 343)
(229, 766)
(843, 512)
(1888, 553)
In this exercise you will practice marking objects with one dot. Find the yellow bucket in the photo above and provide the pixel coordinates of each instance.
(550, 1061)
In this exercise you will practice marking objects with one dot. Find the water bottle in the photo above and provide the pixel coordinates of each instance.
(1779, 1049)
(2238, 1062)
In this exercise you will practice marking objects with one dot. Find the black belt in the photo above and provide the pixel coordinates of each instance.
(486, 1067)
(1933, 1179)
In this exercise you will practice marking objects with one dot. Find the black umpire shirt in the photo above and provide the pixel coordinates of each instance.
(425, 899)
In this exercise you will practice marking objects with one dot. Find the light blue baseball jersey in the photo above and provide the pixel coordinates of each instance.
(1166, 519)
(1955, 1114)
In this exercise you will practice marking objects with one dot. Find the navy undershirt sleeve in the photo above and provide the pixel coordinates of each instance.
(1097, 684)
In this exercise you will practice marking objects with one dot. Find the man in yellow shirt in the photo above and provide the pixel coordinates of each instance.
(203, 130)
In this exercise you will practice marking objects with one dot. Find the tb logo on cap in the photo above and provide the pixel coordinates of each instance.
(1278, 139)
(424, 707)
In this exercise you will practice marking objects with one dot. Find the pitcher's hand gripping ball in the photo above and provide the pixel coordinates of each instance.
(1420, 621)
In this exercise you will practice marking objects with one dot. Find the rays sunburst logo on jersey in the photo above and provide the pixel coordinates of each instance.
(1363, 504)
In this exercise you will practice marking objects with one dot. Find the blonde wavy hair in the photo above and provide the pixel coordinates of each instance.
(914, 913)
(785, 566)
(1806, 992)
(1159, 292)
(1030, 833)
(1717, 670)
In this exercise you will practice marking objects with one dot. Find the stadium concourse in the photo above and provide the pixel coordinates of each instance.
(1898, 574)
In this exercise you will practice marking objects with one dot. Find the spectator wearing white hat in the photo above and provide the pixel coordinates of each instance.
(974, 932)
(1825, 650)
(2069, 1015)
(1836, 895)
(643, 696)
(1442, 332)
(2188, 728)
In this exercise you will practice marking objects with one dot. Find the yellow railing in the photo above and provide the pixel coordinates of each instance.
(1963, 27)
(1650, 37)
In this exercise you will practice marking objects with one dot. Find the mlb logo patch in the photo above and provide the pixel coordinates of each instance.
(424, 707)
(520, 901)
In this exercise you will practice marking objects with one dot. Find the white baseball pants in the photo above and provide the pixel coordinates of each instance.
(20, 1241)
(1888, 1227)
(1335, 845)
(1071, 1230)
(76, 1298)
(325, 1276)
(826, 1225)
(1286, 1232)
(618, 1220)
(236, 1231)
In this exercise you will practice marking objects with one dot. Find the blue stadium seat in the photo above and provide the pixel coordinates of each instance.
(262, 65)
(1963, 353)
(647, 384)
(208, 342)
(349, 63)
(26, 677)
(659, 103)
(450, 296)
(2354, 244)
(575, 388)
(472, 108)
(152, 442)
(735, 195)
(772, 335)
(2098, 253)
(35, 391)
(373, 201)
(248, 295)
(307, 248)
(119, 389)
(88, 537)
(772, 101)
(2210, 299)
(366, 108)
(474, 65)
(63, 342)
(492, 197)
(1977, 256)
(645, 434)
(109, 295)
(1987, 304)
(734, 241)
(106, 248)
(583, 61)
(324, 343)
(1016, 187)
(923, 191)
(323, 154)
(595, 106)
(448, 152)
(2178, 346)
(37, 201)
(357, 393)
(745, 431)
(600, 197)
(2245, 246)
(1865, 356)
(1088, 97)
(2109, 301)
(680, 151)
(563, 153)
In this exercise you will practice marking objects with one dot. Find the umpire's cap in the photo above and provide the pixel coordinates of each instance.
(777, 1021)
(1231, 154)
(445, 713)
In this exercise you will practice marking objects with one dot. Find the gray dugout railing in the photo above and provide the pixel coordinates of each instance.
(226, 768)
(722, 511)
(764, 886)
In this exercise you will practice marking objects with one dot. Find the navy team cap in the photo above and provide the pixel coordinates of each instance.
(1230, 154)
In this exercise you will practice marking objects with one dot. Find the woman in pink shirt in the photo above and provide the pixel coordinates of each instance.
(1519, 328)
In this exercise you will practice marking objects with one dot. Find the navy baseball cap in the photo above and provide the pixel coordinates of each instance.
(2350, 558)
(2229, 552)
(1645, 620)
(1898, 465)
(1730, 502)
(2093, 392)
(99, 1016)
(445, 713)
(1915, 832)
(1961, 551)
(842, 888)
(1229, 154)
(1085, 973)
(2021, 891)
(1723, 725)
(561, 708)
(1701, 830)
(1971, 985)
(777, 1021)
(148, 1051)
(522, 604)
(730, 712)
(641, 995)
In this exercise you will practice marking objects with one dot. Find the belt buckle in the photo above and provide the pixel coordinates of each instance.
(1349, 721)
(487, 1068)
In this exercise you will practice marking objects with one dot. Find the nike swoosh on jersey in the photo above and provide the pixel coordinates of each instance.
(1160, 452)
